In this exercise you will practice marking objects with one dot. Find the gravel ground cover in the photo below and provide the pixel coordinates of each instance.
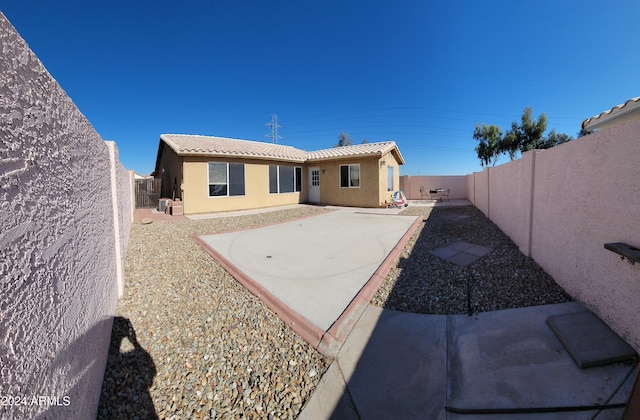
(190, 342)
(503, 279)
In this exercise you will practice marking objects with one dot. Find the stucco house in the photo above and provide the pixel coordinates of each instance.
(212, 174)
(614, 116)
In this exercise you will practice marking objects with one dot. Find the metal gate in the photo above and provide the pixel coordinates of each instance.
(148, 192)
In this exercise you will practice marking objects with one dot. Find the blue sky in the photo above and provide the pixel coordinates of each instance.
(421, 73)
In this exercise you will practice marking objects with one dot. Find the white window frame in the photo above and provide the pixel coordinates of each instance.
(349, 180)
(244, 178)
(390, 178)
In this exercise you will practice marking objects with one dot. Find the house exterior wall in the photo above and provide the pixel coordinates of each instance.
(367, 195)
(621, 120)
(58, 268)
(386, 161)
(585, 193)
(170, 172)
(195, 187)
(192, 175)
(411, 184)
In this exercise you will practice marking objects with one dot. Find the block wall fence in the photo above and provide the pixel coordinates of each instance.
(65, 215)
(561, 205)
(411, 185)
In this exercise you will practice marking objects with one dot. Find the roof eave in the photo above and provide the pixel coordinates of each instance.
(240, 156)
(595, 122)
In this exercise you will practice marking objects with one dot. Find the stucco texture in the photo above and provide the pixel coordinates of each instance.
(587, 194)
(58, 264)
(561, 205)
(511, 198)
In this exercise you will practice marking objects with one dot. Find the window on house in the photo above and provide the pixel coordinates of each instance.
(284, 179)
(350, 176)
(226, 179)
(390, 178)
(298, 179)
(273, 179)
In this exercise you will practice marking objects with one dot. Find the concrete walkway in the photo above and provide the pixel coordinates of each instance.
(495, 364)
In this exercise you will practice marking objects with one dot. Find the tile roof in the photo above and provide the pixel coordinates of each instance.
(366, 149)
(195, 145)
(192, 145)
(613, 113)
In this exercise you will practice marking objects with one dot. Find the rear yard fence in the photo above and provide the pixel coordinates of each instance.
(561, 205)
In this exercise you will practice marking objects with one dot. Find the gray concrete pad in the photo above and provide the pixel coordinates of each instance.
(394, 365)
(411, 366)
(589, 340)
(462, 253)
(512, 360)
(316, 265)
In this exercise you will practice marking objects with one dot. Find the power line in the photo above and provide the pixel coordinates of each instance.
(274, 129)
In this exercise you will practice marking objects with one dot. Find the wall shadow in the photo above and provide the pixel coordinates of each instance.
(427, 284)
(128, 376)
(503, 279)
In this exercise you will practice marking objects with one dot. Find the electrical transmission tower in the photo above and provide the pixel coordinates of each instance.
(274, 129)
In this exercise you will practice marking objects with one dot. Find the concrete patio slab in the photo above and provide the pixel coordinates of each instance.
(310, 270)
(511, 360)
(589, 340)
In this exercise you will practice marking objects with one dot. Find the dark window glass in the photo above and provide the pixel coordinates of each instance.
(286, 179)
(216, 190)
(273, 179)
(298, 178)
(344, 176)
(236, 179)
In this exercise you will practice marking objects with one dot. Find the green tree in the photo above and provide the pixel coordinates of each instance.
(526, 136)
(344, 140)
(489, 148)
(554, 139)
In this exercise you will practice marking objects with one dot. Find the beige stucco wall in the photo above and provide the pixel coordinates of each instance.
(196, 188)
(58, 264)
(585, 194)
(411, 185)
(170, 172)
(367, 195)
(194, 185)
(384, 162)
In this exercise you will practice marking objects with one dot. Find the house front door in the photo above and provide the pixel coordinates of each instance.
(314, 185)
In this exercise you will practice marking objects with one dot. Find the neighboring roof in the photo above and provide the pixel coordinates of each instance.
(190, 145)
(357, 150)
(616, 112)
(195, 145)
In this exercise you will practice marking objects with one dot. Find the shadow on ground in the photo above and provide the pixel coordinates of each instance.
(448, 364)
(502, 279)
(128, 376)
